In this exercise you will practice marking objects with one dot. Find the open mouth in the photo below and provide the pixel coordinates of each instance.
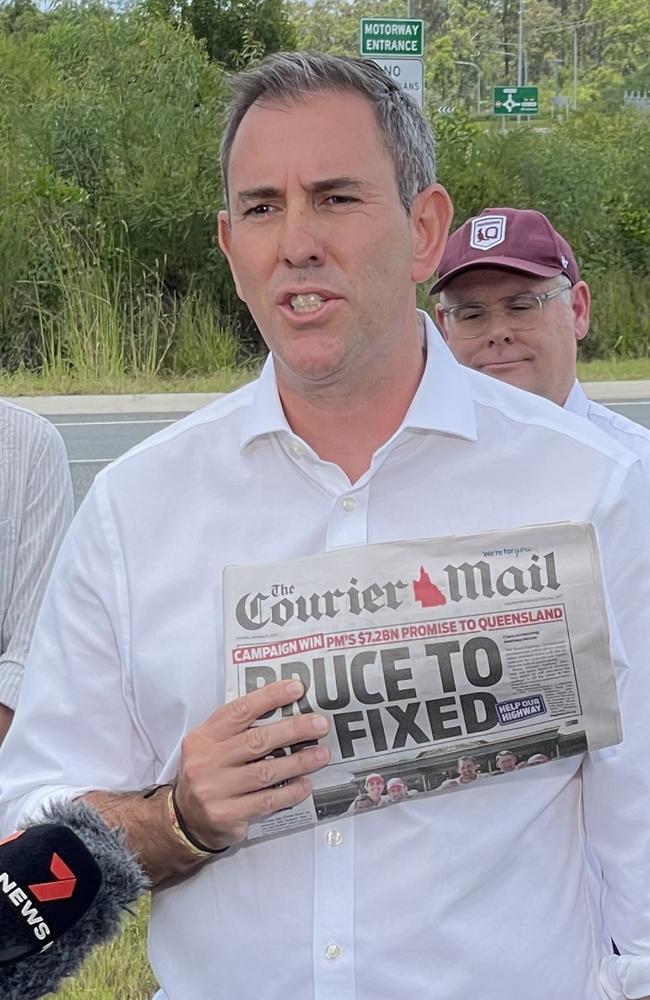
(306, 303)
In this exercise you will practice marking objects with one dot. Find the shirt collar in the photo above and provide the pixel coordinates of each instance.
(265, 415)
(443, 402)
(577, 401)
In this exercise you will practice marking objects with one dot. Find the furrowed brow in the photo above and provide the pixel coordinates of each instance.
(317, 187)
(258, 194)
(335, 184)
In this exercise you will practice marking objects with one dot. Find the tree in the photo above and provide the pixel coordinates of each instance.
(612, 42)
(234, 31)
(109, 131)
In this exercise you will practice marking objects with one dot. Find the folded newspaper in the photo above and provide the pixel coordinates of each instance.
(439, 661)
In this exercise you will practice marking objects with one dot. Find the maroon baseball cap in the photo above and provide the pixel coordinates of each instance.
(516, 239)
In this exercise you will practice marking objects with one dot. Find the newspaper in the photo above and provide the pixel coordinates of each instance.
(441, 662)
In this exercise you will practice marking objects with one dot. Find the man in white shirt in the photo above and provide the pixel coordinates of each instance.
(505, 761)
(513, 305)
(467, 769)
(361, 428)
(36, 507)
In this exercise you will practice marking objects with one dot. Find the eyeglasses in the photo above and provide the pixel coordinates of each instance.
(521, 312)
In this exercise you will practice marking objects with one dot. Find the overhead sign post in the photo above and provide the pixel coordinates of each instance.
(408, 74)
(516, 101)
(399, 38)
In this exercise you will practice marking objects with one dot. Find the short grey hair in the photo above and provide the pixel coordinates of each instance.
(288, 76)
(562, 281)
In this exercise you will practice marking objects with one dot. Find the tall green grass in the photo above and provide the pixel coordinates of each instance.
(201, 343)
(620, 316)
(99, 316)
(119, 970)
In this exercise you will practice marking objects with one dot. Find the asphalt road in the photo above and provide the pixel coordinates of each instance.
(95, 439)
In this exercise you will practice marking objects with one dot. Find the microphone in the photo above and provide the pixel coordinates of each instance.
(64, 884)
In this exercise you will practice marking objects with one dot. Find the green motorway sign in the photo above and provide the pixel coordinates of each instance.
(516, 100)
(391, 36)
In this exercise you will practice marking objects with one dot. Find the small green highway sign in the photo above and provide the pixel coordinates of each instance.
(390, 36)
(516, 100)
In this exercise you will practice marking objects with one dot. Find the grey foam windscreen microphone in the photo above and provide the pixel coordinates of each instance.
(65, 882)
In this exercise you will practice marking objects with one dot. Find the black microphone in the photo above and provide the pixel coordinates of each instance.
(64, 884)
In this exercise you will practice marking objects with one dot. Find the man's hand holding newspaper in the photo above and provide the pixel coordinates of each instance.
(432, 658)
(228, 773)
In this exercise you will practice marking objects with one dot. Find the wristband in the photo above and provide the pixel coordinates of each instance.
(181, 832)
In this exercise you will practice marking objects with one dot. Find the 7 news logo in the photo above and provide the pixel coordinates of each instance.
(62, 886)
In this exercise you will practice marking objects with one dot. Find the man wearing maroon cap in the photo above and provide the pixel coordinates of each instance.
(513, 305)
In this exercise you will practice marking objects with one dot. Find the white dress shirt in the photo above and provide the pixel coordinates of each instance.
(630, 434)
(473, 896)
(36, 507)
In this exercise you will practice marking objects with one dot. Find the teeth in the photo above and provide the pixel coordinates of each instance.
(306, 303)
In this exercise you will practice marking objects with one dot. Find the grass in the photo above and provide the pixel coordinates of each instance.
(119, 970)
(27, 383)
(101, 324)
(614, 369)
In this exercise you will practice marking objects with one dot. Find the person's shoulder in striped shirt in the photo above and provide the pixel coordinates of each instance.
(36, 506)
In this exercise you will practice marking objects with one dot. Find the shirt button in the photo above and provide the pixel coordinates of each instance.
(334, 838)
(348, 503)
(296, 449)
(332, 952)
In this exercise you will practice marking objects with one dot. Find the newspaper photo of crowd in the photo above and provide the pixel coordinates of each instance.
(434, 771)
(468, 769)
(369, 793)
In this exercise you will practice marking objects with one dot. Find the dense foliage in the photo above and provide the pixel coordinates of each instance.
(607, 40)
(109, 129)
(591, 177)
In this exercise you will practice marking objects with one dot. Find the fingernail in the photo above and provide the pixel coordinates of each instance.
(320, 724)
(321, 754)
(295, 689)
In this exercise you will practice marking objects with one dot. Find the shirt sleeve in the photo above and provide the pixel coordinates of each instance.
(75, 727)
(616, 781)
(46, 512)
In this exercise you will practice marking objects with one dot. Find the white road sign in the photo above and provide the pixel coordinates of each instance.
(408, 74)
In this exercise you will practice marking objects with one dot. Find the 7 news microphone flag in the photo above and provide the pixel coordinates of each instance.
(64, 885)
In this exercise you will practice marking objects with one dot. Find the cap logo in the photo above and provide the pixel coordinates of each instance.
(487, 232)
